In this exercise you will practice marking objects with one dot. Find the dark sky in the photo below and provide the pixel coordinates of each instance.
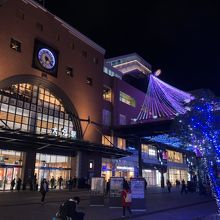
(182, 38)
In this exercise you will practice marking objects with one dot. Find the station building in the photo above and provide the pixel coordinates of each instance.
(51, 83)
(62, 103)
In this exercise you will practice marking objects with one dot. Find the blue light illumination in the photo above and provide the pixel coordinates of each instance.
(166, 139)
(199, 128)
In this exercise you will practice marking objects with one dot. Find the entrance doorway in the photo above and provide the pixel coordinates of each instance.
(7, 174)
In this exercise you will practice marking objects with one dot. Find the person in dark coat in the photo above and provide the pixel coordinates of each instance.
(169, 185)
(18, 184)
(43, 189)
(12, 184)
(183, 188)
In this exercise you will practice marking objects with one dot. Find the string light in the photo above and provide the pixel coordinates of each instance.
(204, 137)
(163, 100)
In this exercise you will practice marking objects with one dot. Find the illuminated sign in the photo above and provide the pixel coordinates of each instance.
(125, 168)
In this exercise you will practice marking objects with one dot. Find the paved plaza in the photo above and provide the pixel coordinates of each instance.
(25, 205)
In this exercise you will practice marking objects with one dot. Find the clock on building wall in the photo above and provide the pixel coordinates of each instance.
(45, 58)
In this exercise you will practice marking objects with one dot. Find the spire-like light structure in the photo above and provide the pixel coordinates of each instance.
(163, 100)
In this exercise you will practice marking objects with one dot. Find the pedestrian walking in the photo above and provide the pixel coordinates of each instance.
(43, 189)
(126, 200)
(108, 187)
(60, 181)
(12, 184)
(52, 182)
(18, 184)
(169, 185)
(183, 187)
(70, 184)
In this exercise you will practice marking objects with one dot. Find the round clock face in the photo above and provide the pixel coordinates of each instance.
(46, 58)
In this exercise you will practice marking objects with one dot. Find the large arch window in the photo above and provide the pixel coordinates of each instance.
(33, 108)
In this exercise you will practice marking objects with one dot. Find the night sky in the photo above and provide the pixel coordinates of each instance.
(182, 38)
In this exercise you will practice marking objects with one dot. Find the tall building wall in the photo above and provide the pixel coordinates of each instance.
(25, 21)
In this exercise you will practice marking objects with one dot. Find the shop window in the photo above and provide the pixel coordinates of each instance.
(127, 99)
(174, 156)
(15, 45)
(107, 94)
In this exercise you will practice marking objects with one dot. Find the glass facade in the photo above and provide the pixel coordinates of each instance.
(48, 166)
(11, 164)
(32, 108)
(176, 173)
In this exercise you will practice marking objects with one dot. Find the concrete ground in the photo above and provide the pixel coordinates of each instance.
(160, 204)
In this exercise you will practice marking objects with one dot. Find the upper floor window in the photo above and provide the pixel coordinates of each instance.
(121, 143)
(144, 148)
(107, 94)
(15, 45)
(107, 140)
(89, 81)
(127, 99)
(148, 151)
(174, 156)
(106, 117)
(122, 119)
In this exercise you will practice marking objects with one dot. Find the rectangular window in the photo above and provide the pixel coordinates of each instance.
(39, 26)
(174, 156)
(121, 143)
(95, 60)
(15, 45)
(152, 151)
(127, 99)
(107, 94)
(84, 53)
(69, 71)
(144, 148)
(107, 140)
(106, 117)
(122, 119)
(89, 81)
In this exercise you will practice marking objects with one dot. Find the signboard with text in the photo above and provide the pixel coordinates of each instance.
(138, 194)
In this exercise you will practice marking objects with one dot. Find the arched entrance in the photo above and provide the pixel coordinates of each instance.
(33, 105)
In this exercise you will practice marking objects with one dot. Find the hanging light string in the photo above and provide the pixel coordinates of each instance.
(163, 100)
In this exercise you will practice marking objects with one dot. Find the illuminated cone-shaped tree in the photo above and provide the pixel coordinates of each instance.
(162, 100)
(199, 128)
